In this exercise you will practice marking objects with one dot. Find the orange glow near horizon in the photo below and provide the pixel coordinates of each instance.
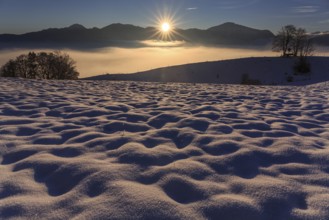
(156, 55)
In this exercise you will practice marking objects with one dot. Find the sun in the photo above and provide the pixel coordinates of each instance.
(165, 27)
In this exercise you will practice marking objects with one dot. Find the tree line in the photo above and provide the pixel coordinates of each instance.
(53, 65)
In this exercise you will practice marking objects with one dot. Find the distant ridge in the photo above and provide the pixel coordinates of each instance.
(235, 33)
(231, 28)
(229, 34)
(322, 39)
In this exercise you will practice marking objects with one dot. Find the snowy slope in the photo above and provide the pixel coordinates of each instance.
(133, 150)
(268, 70)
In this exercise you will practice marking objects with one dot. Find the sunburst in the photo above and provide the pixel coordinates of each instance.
(166, 22)
(165, 27)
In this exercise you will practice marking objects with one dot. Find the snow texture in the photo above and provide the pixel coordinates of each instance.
(133, 150)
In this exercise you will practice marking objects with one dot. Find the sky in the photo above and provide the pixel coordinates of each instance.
(21, 16)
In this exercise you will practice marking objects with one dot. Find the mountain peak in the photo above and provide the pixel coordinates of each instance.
(76, 27)
(233, 28)
(228, 26)
(119, 25)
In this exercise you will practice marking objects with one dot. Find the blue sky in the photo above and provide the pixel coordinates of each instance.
(20, 16)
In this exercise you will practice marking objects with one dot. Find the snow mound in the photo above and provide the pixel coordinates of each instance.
(127, 150)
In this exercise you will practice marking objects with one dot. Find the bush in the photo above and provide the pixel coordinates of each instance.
(302, 66)
(247, 81)
(41, 65)
(290, 78)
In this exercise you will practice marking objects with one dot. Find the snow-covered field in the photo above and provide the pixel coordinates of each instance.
(133, 150)
(264, 70)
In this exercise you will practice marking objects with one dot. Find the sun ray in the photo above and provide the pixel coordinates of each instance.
(165, 22)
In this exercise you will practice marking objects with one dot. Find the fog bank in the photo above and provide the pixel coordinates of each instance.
(128, 60)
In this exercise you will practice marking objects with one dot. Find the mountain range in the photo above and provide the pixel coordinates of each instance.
(127, 35)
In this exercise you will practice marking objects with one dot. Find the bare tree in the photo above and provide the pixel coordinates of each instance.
(291, 41)
(303, 66)
(283, 42)
(306, 48)
(299, 39)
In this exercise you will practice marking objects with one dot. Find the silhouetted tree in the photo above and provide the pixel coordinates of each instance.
(291, 41)
(283, 41)
(41, 65)
(302, 44)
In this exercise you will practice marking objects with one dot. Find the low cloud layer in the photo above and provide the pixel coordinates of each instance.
(120, 60)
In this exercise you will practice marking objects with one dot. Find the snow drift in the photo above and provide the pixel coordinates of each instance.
(132, 150)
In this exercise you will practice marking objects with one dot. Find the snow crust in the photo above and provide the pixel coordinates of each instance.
(133, 150)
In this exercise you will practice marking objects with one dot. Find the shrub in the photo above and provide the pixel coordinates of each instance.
(54, 65)
(248, 81)
(302, 66)
(290, 78)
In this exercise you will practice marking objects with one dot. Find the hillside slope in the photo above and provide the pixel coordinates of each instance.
(266, 70)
